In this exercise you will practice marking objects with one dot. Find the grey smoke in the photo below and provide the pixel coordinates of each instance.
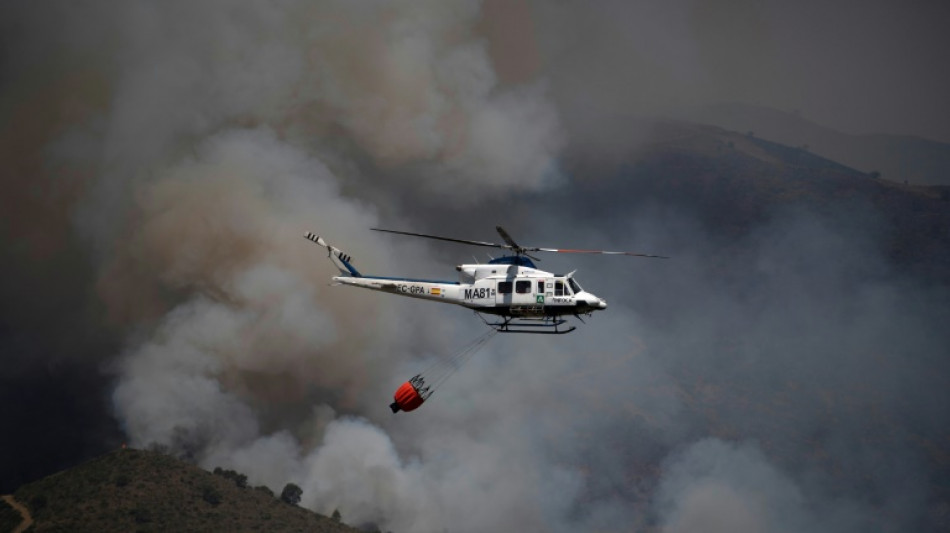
(795, 385)
(868, 68)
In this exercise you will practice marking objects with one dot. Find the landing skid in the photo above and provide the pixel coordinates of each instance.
(534, 326)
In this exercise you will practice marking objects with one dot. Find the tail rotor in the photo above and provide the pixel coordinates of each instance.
(339, 259)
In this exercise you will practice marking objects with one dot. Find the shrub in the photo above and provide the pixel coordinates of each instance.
(291, 494)
(336, 517)
(239, 479)
(210, 494)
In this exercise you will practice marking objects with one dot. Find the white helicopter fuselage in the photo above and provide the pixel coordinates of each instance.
(494, 288)
(528, 300)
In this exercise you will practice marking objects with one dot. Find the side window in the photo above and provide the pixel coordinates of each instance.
(523, 287)
(504, 287)
(540, 287)
(558, 288)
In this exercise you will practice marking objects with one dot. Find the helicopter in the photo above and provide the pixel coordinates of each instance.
(518, 296)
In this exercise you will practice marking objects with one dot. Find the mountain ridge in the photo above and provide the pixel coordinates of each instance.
(139, 490)
(909, 158)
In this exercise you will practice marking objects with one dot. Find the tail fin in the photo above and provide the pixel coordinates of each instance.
(339, 259)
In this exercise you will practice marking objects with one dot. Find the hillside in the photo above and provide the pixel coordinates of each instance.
(734, 182)
(135, 490)
(896, 157)
(10, 519)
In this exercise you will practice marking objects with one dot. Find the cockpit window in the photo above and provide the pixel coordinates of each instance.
(574, 286)
(559, 288)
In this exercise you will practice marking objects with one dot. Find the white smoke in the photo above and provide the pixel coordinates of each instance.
(718, 487)
(256, 329)
(209, 177)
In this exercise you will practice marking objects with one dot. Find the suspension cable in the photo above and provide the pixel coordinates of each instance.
(432, 377)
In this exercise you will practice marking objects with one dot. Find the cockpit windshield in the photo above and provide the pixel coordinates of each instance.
(574, 286)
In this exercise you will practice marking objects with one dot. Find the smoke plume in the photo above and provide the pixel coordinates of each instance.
(162, 162)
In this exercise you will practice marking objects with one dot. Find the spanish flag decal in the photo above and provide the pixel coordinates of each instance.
(435, 291)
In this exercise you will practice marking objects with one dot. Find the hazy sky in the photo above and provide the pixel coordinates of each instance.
(861, 67)
(161, 162)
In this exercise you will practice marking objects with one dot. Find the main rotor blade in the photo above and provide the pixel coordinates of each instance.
(504, 235)
(603, 252)
(436, 237)
(513, 246)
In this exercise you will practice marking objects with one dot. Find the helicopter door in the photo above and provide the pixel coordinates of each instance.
(524, 292)
(523, 296)
(503, 292)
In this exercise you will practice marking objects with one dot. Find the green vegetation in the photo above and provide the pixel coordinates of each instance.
(136, 490)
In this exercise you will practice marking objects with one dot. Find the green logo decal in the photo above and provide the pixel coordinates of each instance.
(540, 298)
